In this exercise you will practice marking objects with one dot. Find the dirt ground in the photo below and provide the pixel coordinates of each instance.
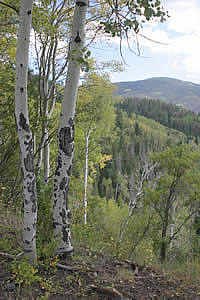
(94, 276)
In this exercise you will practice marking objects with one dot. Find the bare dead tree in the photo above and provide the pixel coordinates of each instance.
(143, 174)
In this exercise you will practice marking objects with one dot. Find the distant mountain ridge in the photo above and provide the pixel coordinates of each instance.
(171, 90)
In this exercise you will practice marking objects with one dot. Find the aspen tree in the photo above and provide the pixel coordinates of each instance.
(24, 131)
(65, 139)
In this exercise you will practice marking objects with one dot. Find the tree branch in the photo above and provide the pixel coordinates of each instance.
(10, 6)
(11, 256)
(179, 228)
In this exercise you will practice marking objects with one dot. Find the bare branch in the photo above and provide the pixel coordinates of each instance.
(151, 40)
(179, 228)
(9, 6)
(11, 256)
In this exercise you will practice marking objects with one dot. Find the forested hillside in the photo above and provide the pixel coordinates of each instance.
(170, 115)
(98, 194)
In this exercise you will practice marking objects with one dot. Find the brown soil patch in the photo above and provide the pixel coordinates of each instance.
(94, 276)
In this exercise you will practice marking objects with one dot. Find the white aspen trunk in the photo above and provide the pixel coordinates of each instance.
(61, 213)
(24, 132)
(131, 188)
(39, 158)
(85, 206)
(46, 155)
(46, 158)
(44, 97)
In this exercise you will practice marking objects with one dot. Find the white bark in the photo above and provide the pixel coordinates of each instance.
(24, 132)
(46, 158)
(61, 213)
(131, 184)
(85, 205)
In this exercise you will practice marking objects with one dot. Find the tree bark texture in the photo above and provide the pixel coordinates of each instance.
(61, 213)
(24, 131)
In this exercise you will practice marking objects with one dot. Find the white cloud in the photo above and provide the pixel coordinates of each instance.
(181, 33)
(184, 15)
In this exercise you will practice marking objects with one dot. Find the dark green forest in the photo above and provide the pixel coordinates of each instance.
(169, 115)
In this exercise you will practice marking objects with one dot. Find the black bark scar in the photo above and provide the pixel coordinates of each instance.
(29, 162)
(66, 138)
(22, 123)
(77, 38)
(27, 250)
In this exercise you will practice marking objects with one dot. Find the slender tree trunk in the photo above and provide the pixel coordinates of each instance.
(39, 153)
(172, 227)
(85, 205)
(131, 185)
(46, 160)
(46, 151)
(165, 221)
(163, 247)
(61, 213)
(24, 132)
(116, 192)
(86, 177)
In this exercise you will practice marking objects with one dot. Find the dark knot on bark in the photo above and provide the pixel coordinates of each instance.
(80, 3)
(77, 38)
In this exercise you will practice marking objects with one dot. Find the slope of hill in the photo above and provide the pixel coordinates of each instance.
(167, 114)
(168, 89)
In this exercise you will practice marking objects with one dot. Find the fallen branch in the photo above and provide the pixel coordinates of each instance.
(11, 256)
(106, 290)
(68, 268)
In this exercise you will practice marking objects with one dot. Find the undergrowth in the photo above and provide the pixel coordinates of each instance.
(99, 236)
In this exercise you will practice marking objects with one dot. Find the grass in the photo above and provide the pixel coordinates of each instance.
(11, 225)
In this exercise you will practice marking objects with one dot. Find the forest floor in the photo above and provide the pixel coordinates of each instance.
(95, 276)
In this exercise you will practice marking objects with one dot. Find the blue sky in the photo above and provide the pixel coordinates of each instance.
(178, 58)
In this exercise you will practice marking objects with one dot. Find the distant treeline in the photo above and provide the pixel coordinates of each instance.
(170, 115)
